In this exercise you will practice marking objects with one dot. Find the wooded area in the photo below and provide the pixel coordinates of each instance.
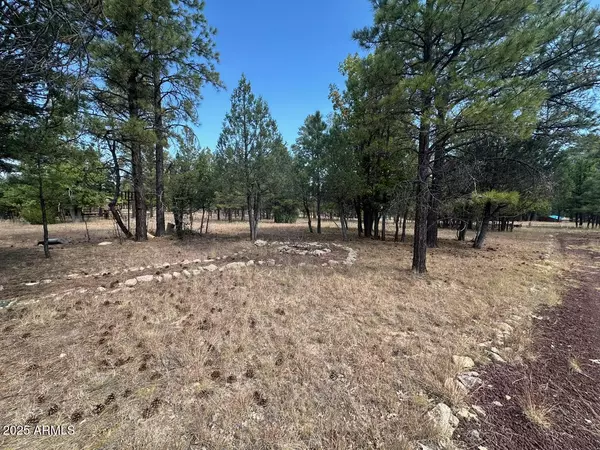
(459, 114)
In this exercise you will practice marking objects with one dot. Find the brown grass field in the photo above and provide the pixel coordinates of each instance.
(285, 357)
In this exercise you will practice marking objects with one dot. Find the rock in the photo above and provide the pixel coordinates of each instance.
(131, 282)
(196, 272)
(197, 261)
(82, 291)
(465, 414)
(319, 252)
(210, 268)
(470, 379)
(496, 357)
(101, 289)
(62, 355)
(270, 262)
(234, 265)
(46, 281)
(464, 362)
(260, 243)
(150, 235)
(479, 410)
(208, 260)
(443, 419)
(32, 283)
(176, 274)
(186, 273)
(260, 263)
(134, 269)
(167, 277)
(166, 265)
(250, 263)
(475, 434)
(185, 262)
(105, 243)
(73, 276)
(333, 262)
(143, 268)
(497, 403)
(145, 278)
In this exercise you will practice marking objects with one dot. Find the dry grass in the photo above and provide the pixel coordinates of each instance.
(536, 412)
(265, 357)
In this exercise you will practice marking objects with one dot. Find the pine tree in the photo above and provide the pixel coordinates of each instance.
(244, 149)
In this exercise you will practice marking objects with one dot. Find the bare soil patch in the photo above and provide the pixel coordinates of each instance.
(551, 402)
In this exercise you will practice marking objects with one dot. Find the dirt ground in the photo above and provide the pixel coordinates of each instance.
(552, 401)
(294, 355)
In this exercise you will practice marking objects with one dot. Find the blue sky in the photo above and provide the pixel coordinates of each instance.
(290, 51)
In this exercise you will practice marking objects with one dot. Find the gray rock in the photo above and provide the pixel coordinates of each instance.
(464, 362)
(196, 272)
(131, 282)
(465, 414)
(333, 262)
(270, 262)
(475, 434)
(32, 283)
(186, 273)
(73, 276)
(469, 379)
(167, 277)
(261, 263)
(250, 263)
(233, 265)
(176, 275)
(260, 243)
(496, 357)
(479, 410)
(210, 268)
(101, 289)
(105, 243)
(442, 418)
(145, 278)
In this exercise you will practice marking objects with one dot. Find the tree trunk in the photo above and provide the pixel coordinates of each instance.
(359, 218)
(306, 208)
(159, 152)
(343, 223)
(403, 236)
(136, 162)
(113, 204)
(43, 208)
(178, 216)
(483, 229)
(207, 220)
(383, 227)
(397, 223)
(319, 207)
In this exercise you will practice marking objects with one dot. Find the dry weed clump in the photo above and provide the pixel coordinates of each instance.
(291, 356)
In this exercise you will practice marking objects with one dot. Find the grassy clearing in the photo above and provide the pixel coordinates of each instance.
(264, 357)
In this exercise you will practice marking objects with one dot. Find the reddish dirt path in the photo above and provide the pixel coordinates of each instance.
(563, 379)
